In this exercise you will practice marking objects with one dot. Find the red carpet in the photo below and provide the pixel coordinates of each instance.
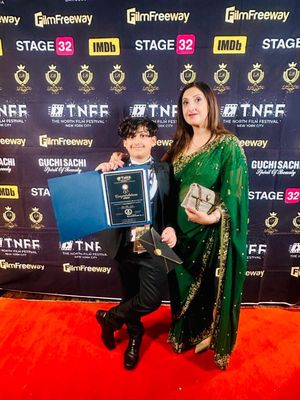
(50, 350)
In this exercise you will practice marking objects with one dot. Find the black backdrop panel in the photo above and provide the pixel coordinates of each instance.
(70, 71)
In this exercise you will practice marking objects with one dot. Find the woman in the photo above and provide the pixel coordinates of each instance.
(210, 244)
(204, 152)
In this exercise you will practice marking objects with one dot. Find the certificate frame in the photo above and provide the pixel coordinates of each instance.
(80, 202)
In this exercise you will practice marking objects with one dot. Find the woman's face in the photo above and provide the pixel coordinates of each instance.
(195, 107)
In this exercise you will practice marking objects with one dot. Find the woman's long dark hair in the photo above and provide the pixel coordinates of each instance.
(184, 131)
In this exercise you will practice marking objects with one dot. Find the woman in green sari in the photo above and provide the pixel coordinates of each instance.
(210, 244)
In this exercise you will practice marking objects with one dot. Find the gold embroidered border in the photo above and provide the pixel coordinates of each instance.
(224, 238)
(222, 361)
(183, 160)
(179, 347)
(195, 286)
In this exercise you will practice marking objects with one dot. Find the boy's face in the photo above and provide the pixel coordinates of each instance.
(140, 145)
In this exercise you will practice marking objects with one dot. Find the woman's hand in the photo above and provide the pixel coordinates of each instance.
(168, 236)
(200, 217)
(114, 163)
(116, 157)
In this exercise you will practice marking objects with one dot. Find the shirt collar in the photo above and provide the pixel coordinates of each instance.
(149, 161)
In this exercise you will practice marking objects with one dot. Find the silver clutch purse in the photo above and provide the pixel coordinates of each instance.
(201, 198)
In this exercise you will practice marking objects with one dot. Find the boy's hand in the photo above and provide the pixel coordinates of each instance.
(168, 236)
(107, 166)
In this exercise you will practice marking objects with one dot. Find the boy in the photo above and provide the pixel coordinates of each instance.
(142, 279)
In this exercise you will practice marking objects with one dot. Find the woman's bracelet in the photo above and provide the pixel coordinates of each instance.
(217, 216)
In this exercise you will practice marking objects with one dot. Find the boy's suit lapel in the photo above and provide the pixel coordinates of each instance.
(158, 168)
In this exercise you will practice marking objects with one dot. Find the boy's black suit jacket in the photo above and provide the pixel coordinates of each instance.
(163, 212)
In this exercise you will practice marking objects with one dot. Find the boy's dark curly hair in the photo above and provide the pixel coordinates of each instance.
(129, 126)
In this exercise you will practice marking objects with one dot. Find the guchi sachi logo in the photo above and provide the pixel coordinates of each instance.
(36, 217)
(290, 76)
(117, 77)
(150, 77)
(188, 75)
(9, 217)
(271, 222)
(255, 76)
(53, 77)
(296, 224)
(221, 77)
(22, 78)
(85, 77)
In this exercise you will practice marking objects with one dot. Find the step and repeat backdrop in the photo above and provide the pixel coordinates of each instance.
(71, 70)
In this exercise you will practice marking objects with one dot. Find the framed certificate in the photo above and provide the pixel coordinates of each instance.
(90, 202)
(126, 197)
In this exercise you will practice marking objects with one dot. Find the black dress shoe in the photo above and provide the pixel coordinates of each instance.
(107, 333)
(131, 355)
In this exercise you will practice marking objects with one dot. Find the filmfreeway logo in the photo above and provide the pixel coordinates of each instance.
(41, 20)
(258, 273)
(232, 15)
(134, 16)
(13, 141)
(6, 265)
(46, 141)
(9, 19)
(67, 267)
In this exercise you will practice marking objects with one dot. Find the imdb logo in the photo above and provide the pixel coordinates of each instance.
(104, 47)
(9, 192)
(230, 44)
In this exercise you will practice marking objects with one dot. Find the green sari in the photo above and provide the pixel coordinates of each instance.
(199, 309)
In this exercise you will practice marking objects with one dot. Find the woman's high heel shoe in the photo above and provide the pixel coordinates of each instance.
(204, 345)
